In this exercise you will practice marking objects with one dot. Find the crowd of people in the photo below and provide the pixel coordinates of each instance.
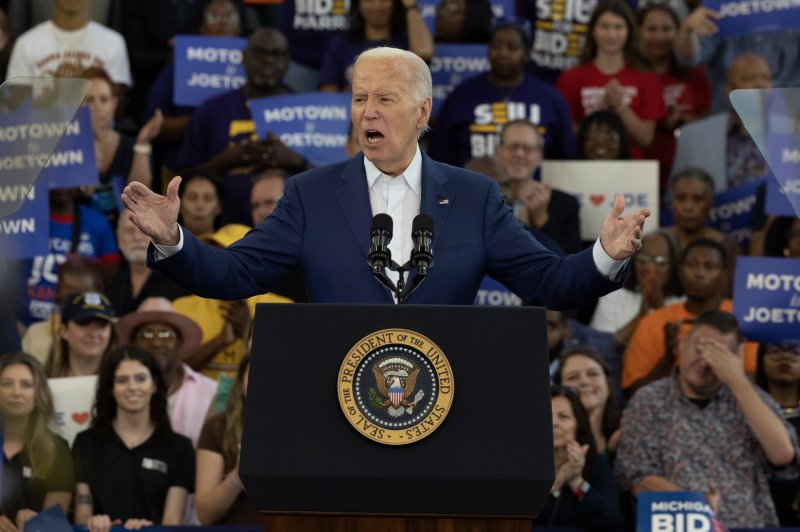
(654, 386)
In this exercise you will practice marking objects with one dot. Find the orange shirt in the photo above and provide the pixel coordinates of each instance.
(646, 347)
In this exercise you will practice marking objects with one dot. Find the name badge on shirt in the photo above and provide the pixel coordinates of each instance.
(154, 465)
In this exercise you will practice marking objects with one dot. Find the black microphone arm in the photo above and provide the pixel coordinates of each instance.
(422, 236)
(379, 256)
(422, 253)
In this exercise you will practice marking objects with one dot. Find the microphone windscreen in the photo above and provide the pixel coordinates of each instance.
(422, 222)
(382, 222)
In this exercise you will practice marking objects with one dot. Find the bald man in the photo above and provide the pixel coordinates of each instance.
(719, 144)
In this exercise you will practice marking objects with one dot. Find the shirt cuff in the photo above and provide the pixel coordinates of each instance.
(165, 252)
(608, 267)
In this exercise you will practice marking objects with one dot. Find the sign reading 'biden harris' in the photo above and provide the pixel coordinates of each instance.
(395, 386)
(766, 299)
(314, 124)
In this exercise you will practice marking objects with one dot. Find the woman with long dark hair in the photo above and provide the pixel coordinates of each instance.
(86, 335)
(583, 369)
(685, 90)
(373, 23)
(220, 497)
(37, 466)
(608, 76)
(131, 468)
(201, 203)
(583, 495)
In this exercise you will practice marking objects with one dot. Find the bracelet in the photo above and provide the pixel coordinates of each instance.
(235, 484)
(143, 149)
(580, 493)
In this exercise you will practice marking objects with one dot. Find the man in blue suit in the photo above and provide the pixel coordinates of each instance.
(322, 223)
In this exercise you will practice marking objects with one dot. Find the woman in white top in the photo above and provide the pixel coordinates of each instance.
(652, 284)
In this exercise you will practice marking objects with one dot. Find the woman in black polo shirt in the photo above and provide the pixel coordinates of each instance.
(37, 467)
(131, 468)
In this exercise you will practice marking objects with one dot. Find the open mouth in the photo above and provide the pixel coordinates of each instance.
(373, 136)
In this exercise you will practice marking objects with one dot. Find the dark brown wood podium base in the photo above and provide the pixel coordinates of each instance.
(305, 523)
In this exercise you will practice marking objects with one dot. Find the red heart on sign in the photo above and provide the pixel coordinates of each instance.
(80, 417)
(597, 199)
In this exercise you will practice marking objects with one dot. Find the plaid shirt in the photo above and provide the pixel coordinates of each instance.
(668, 435)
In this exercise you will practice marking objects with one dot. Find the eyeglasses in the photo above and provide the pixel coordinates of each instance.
(269, 53)
(776, 350)
(659, 260)
(603, 135)
(528, 149)
(217, 18)
(450, 9)
(161, 335)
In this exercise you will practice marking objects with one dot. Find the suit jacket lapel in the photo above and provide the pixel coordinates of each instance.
(353, 197)
(437, 197)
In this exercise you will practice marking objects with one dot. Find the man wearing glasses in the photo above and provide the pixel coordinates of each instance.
(653, 349)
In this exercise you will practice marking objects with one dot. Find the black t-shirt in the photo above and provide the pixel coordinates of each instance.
(132, 483)
(120, 292)
(22, 490)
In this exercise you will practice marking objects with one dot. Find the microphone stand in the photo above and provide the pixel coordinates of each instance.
(402, 291)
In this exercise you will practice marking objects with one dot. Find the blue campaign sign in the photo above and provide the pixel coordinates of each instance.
(784, 160)
(314, 124)
(732, 211)
(500, 8)
(494, 294)
(26, 232)
(73, 160)
(776, 202)
(658, 511)
(766, 298)
(453, 63)
(206, 66)
(743, 17)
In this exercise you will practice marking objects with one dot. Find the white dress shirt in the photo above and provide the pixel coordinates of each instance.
(400, 198)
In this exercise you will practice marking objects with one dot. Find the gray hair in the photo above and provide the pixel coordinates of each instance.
(416, 75)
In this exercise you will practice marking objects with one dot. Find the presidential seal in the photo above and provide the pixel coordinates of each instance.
(395, 386)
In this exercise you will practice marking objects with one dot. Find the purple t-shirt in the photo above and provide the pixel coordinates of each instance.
(162, 97)
(309, 26)
(220, 122)
(472, 116)
(341, 53)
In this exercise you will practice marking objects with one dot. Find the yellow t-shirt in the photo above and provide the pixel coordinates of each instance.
(206, 313)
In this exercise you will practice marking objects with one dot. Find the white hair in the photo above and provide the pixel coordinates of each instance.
(417, 75)
(419, 79)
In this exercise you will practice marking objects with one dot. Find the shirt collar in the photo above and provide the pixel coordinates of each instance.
(412, 174)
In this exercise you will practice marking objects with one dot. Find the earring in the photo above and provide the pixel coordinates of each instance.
(786, 251)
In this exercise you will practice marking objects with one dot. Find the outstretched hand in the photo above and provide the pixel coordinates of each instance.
(620, 236)
(155, 215)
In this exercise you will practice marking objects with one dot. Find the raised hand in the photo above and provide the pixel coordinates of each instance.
(151, 129)
(155, 215)
(620, 236)
(536, 198)
(702, 21)
(726, 365)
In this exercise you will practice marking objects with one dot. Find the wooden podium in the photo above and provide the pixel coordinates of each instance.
(487, 467)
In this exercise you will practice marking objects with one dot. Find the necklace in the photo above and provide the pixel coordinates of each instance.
(791, 411)
(133, 440)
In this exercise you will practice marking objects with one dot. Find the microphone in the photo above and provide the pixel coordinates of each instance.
(422, 236)
(379, 256)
